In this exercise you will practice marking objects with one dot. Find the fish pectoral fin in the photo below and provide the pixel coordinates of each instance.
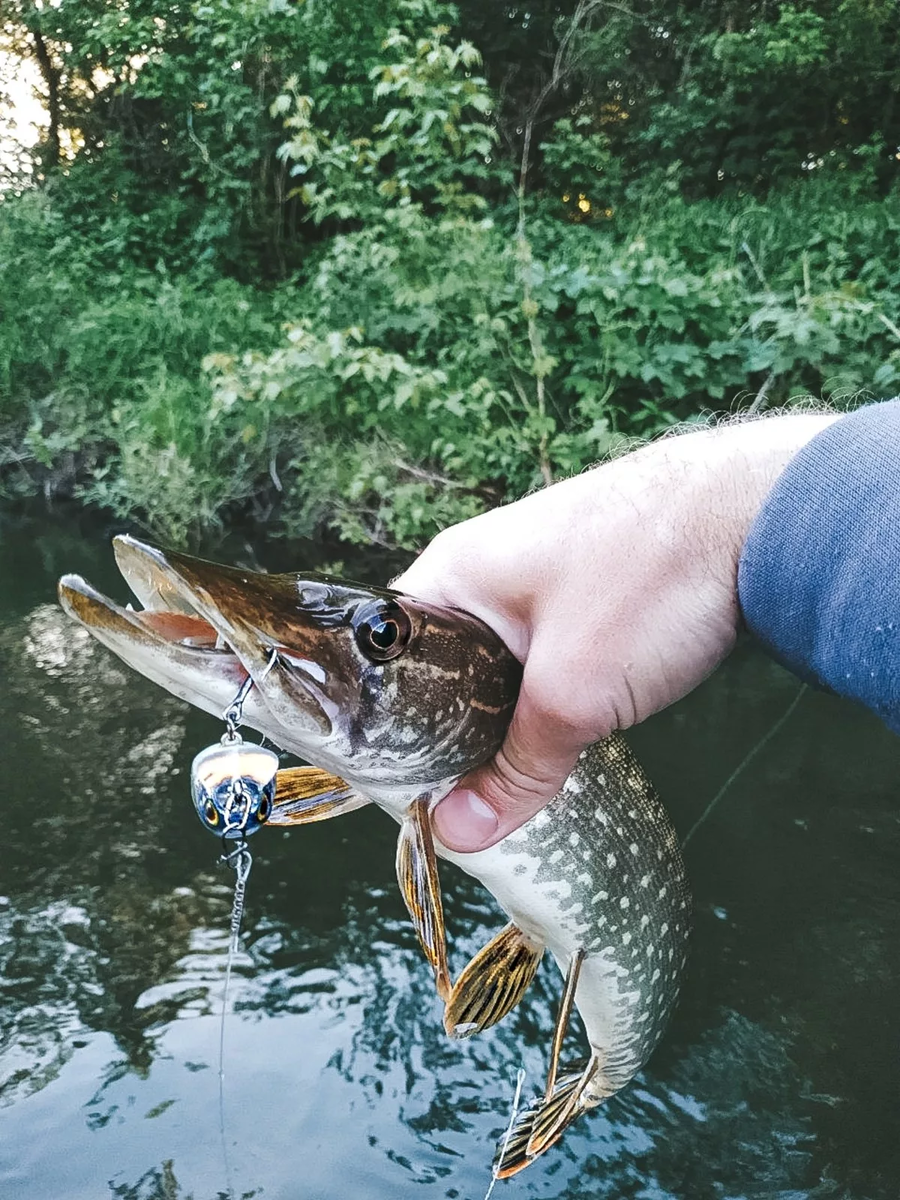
(493, 982)
(542, 1124)
(306, 794)
(417, 875)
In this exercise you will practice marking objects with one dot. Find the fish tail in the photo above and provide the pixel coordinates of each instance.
(541, 1125)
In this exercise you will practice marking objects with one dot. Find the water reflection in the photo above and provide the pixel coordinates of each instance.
(777, 1078)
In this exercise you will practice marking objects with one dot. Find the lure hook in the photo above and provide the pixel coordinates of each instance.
(234, 713)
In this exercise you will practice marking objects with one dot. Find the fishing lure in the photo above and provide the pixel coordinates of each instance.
(233, 783)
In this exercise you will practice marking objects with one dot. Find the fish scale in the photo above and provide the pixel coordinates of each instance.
(585, 872)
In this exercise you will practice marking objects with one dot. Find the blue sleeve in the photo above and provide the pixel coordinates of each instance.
(819, 576)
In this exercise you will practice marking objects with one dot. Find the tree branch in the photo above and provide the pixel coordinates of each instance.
(51, 75)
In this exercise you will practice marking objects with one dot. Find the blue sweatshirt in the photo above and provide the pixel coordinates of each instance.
(819, 576)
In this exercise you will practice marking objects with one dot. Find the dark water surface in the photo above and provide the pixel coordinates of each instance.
(777, 1078)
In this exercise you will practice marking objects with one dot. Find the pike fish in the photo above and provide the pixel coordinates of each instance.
(394, 700)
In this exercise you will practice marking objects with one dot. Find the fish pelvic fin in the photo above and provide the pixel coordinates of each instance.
(493, 982)
(542, 1124)
(417, 875)
(306, 794)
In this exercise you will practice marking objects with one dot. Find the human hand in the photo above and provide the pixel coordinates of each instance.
(617, 590)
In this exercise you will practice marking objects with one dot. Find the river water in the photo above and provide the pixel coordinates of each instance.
(778, 1077)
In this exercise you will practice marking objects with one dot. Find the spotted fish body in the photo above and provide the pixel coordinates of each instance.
(394, 700)
(600, 868)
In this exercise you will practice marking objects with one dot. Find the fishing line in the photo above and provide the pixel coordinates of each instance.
(520, 1082)
(241, 860)
(745, 761)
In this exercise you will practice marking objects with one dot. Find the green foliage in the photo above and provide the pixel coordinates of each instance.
(427, 142)
(294, 264)
(692, 306)
(104, 368)
(796, 41)
(578, 164)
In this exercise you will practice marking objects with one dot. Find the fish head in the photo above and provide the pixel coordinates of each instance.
(397, 696)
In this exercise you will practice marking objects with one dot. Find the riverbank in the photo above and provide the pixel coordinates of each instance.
(414, 373)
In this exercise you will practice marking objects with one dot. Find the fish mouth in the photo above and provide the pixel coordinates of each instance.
(203, 629)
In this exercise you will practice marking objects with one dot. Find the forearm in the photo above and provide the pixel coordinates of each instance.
(819, 575)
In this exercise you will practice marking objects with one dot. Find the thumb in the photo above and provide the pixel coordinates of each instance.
(539, 751)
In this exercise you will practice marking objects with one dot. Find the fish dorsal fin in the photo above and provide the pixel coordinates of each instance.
(417, 875)
(306, 794)
(493, 982)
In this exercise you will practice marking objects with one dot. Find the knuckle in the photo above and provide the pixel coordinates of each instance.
(562, 709)
(520, 776)
(512, 790)
(443, 559)
(449, 546)
(433, 571)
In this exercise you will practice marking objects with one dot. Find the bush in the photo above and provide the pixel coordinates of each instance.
(103, 368)
(433, 364)
(419, 347)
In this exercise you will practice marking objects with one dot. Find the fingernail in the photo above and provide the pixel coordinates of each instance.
(463, 821)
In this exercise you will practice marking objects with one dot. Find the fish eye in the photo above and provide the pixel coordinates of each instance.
(382, 630)
(262, 813)
(211, 814)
